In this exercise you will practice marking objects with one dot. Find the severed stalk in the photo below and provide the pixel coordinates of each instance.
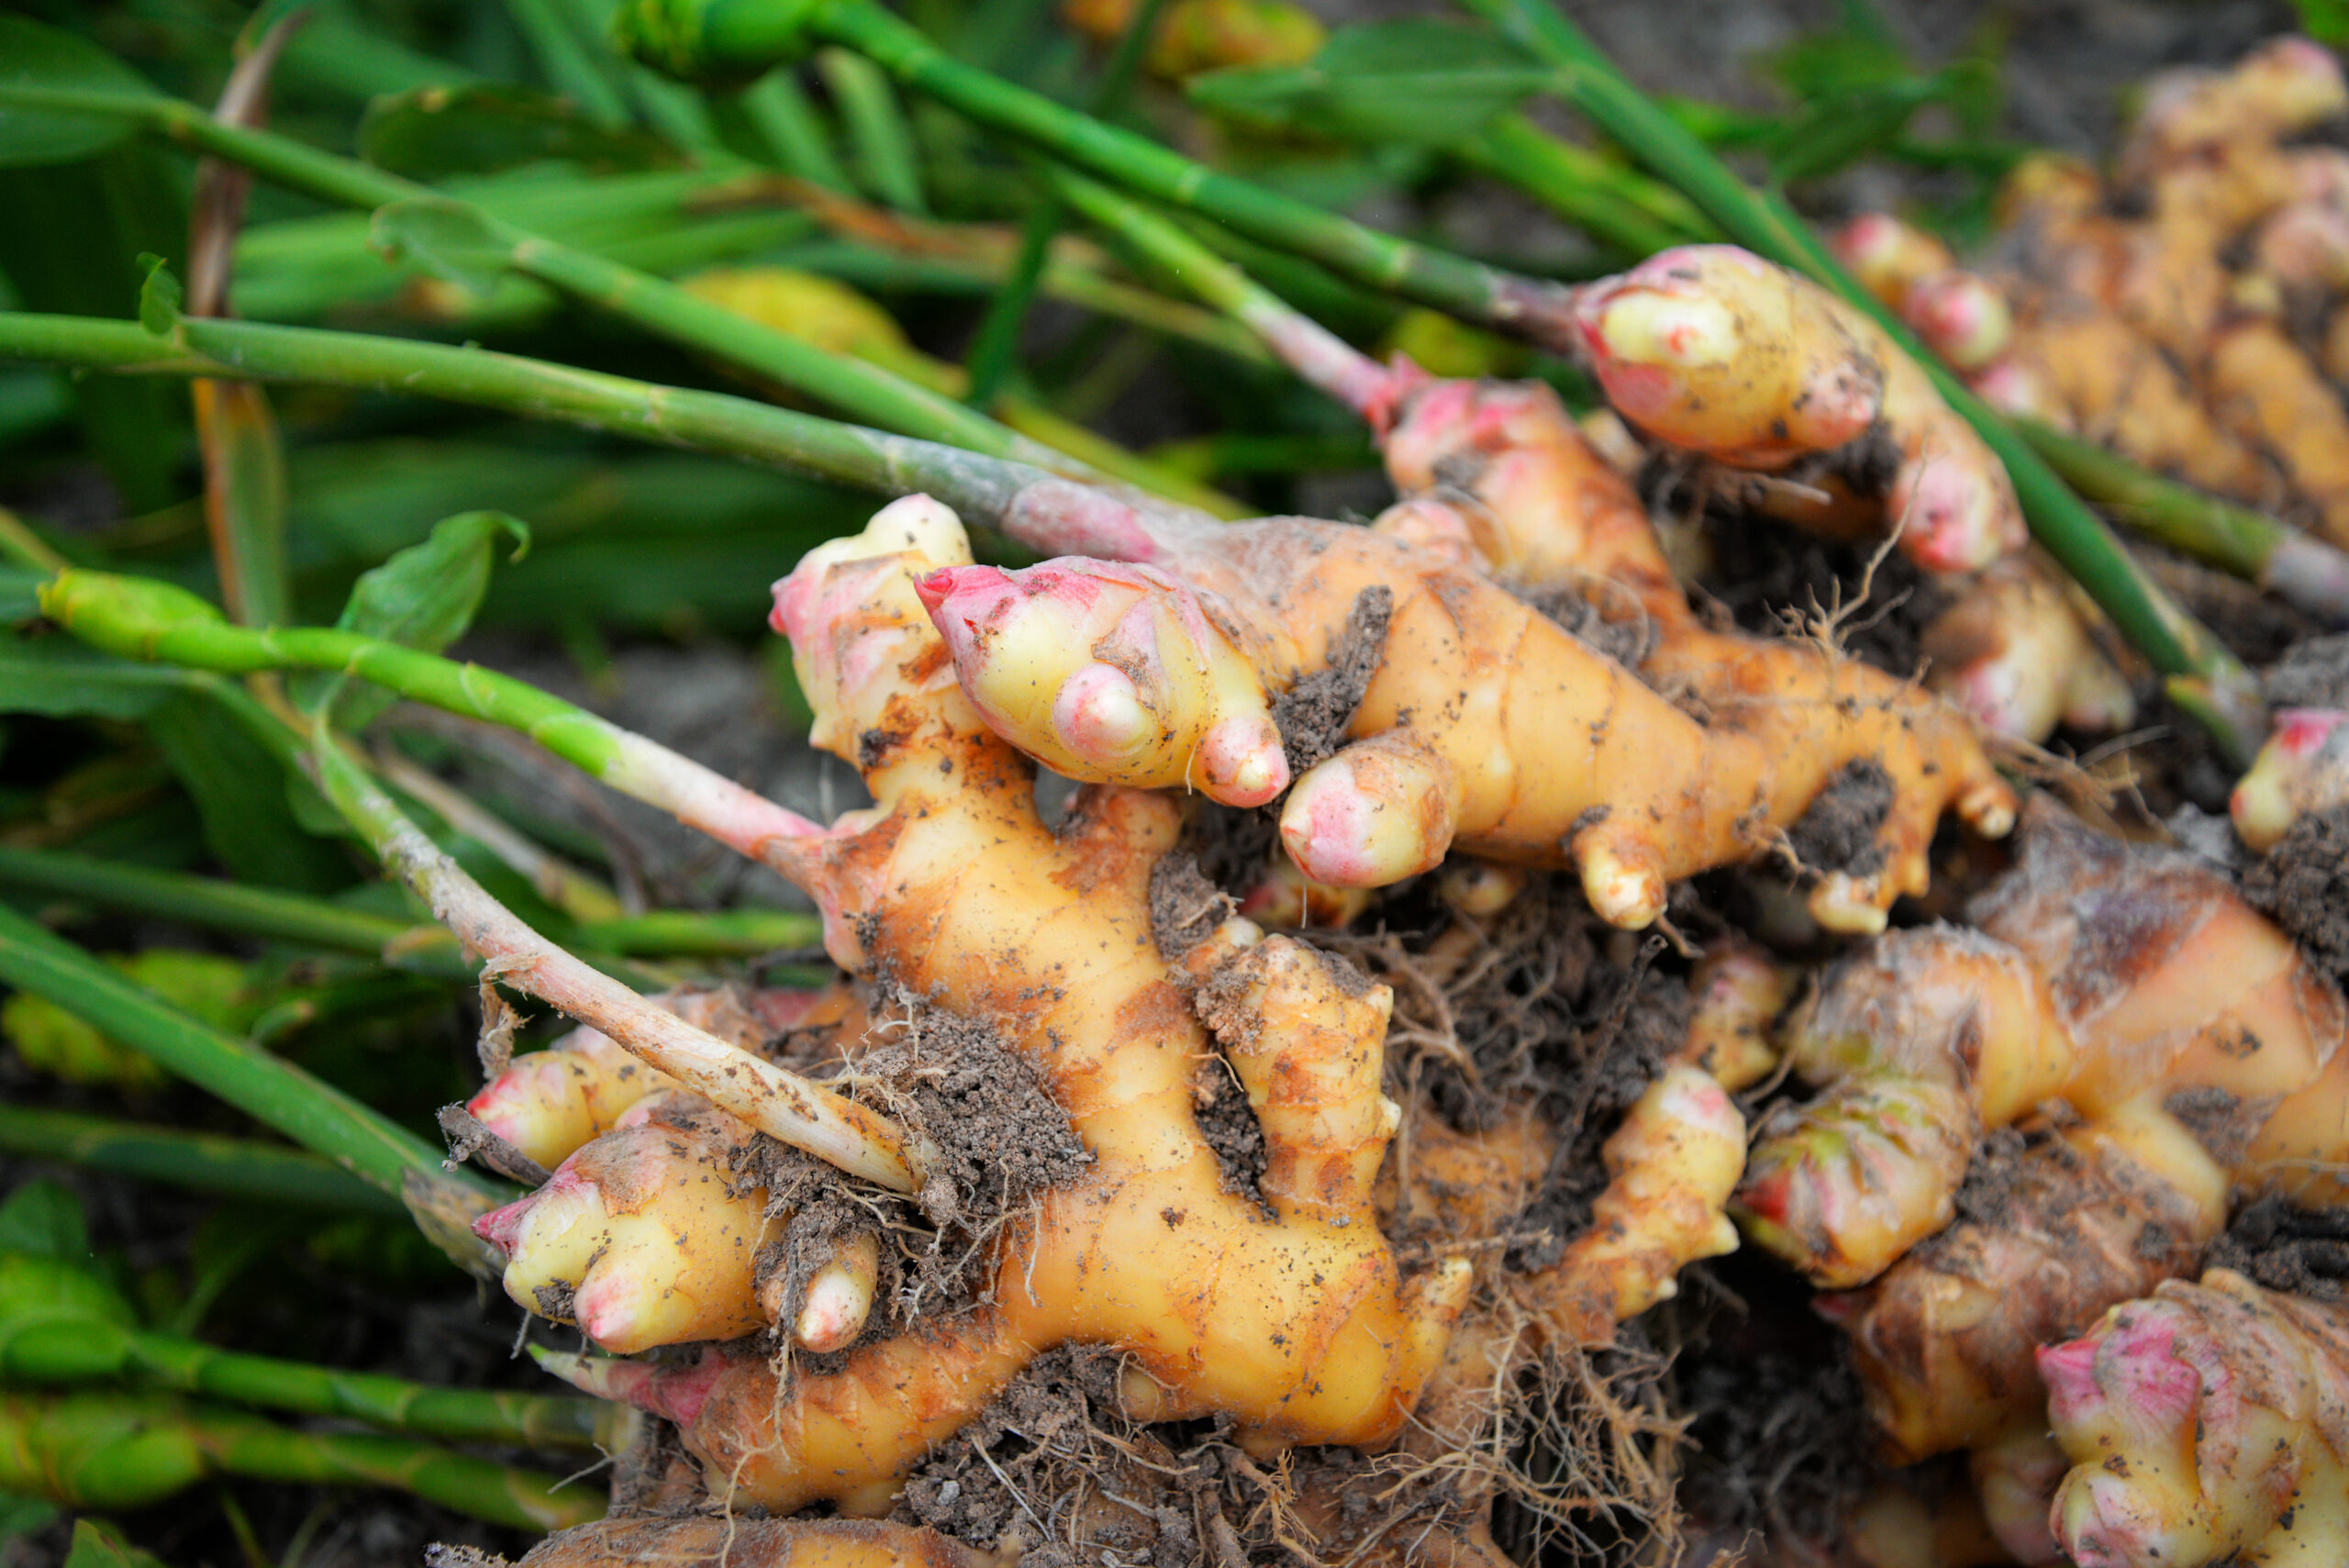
(784, 1106)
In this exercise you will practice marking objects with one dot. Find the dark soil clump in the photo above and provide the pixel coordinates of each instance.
(1185, 906)
(1313, 714)
(1839, 830)
(1050, 1458)
(2303, 885)
(1002, 1142)
(1765, 572)
(2304, 1252)
(1778, 1433)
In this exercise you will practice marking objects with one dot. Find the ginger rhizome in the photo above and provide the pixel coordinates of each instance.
(2173, 1048)
(1712, 350)
(1286, 1310)
(2207, 1424)
(1484, 725)
(2181, 311)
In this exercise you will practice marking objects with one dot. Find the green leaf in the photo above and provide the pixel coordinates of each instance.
(239, 791)
(2327, 21)
(1414, 82)
(435, 132)
(42, 1219)
(37, 60)
(160, 296)
(1838, 130)
(98, 1545)
(424, 597)
(60, 678)
(447, 238)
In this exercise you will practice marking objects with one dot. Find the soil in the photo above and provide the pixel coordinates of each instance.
(2286, 1248)
(1312, 714)
(1839, 830)
(1776, 1441)
(1003, 1141)
(2303, 883)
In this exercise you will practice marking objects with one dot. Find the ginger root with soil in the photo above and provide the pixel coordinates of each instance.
(1284, 1310)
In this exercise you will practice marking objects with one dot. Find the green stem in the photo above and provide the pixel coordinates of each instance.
(2172, 641)
(415, 949)
(2304, 572)
(125, 1450)
(20, 544)
(1316, 354)
(993, 344)
(48, 1346)
(315, 1115)
(231, 1167)
(859, 389)
(880, 142)
(507, 1495)
(691, 34)
(982, 488)
(734, 933)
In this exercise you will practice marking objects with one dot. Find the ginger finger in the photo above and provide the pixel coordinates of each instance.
(2265, 390)
(2014, 652)
(1671, 1167)
(1961, 316)
(642, 1238)
(1737, 993)
(548, 1102)
(1167, 701)
(2015, 1475)
(1710, 348)
(2210, 1423)
(1887, 256)
(2302, 769)
(1378, 811)
(1920, 1041)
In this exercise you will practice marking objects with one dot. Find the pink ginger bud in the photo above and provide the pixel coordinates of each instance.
(1712, 347)
(2207, 1424)
(1378, 811)
(642, 1238)
(1961, 316)
(1111, 674)
(1887, 255)
(2302, 769)
(1955, 515)
(2018, 387)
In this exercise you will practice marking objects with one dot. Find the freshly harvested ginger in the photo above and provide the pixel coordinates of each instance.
(2208, 1424)
(1485, 726)
(1293, 1317)
(2194, 1052)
